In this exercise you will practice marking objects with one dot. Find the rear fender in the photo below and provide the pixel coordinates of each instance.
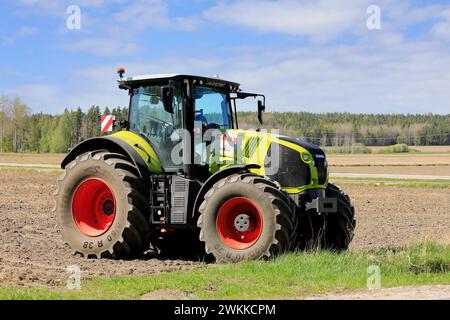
(112, 144)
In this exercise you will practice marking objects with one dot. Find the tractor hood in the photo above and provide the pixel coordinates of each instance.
(269, 137)
(312, 148)
(301, 165)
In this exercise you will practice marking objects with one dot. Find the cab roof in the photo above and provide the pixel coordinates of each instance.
(207, 81)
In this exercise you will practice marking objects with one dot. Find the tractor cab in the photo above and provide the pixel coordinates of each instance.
(175, 112)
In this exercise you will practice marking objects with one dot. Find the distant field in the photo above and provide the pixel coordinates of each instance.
(408, 163)
(440, 155)
(408, 159)
(31, 158)
(414, 170)
(420, 148)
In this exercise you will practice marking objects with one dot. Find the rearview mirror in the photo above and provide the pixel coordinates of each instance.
(261, 109)
(167, 97)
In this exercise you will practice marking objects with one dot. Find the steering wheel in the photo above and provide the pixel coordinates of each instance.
(212, 125)
(201, 118)
(158, 128)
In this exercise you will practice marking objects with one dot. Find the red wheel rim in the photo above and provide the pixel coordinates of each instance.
(239, 223)
(93, 207)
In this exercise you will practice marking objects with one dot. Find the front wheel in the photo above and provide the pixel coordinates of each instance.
(246, 217)
(328, 231)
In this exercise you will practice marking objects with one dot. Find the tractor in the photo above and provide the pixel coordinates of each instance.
(163, 182)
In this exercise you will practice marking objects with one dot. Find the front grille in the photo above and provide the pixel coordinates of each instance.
(179, 191)
(293, 172)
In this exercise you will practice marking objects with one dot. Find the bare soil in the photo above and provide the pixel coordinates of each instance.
(47, 158)
(32, 252)
(391, 217)
(396, 293)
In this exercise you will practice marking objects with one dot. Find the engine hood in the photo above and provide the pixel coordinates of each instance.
(312, 148)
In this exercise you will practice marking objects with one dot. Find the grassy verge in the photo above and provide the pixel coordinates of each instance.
(288, 277)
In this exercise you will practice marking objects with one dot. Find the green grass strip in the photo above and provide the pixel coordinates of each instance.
(292, 276)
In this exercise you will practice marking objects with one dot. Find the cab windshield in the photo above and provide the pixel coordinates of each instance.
(212, 108)
(149, 119)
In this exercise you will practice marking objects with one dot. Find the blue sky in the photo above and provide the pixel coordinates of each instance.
(316, 56)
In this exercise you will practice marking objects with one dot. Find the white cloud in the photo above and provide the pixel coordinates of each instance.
(320, 20)
(98, 84)
(377, 72)
(54, 8)
(382, 78)
(104, 46)
(47, 5)
(324, 20)
(441, 30)
(143, 14)
(370, 77)
(50, 6)
(23, 32)
(120, 33)
(39, 97)
(375, 76)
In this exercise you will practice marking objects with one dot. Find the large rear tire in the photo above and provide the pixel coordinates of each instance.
(328, 231)
(246, 217)
(100, 205)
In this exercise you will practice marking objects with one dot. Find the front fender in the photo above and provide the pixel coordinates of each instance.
(218, 176)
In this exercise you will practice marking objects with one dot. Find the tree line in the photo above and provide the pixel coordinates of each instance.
(24, 131)
(343, 129)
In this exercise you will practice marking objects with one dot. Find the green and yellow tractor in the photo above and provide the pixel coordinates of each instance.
(180, 177)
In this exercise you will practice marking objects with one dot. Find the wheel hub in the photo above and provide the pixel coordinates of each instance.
(93, 207)
(108, 207)
(242, 222)
(239, 223)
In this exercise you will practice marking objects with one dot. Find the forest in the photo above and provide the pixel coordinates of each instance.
(24, 131)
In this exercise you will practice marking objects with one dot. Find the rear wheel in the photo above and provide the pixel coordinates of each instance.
(99, 206)
(246, 217)
(329, 231)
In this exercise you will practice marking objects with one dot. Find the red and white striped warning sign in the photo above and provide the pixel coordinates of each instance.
(107, 122)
